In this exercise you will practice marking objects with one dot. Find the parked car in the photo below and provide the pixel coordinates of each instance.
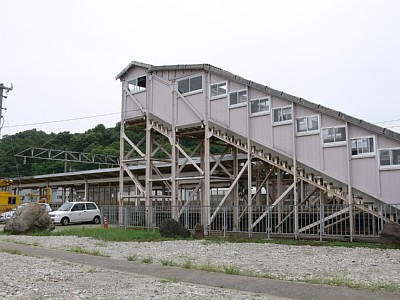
(76, 212)
(9, 214)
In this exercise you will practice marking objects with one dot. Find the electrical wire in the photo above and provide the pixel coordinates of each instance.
(68, 120)
(60, 121)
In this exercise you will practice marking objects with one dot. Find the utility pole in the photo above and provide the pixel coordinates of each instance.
(7, 89)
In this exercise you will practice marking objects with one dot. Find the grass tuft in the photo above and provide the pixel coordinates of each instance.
(169, 262)
(132, 257)
(81, 250)
(11, 251)
(169, 279)
(147, 260)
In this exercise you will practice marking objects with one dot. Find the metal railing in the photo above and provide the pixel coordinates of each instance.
(321, 221)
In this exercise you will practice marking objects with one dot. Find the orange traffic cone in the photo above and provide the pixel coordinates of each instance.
(105, 221)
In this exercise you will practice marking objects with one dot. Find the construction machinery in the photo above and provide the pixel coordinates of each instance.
(8, 200)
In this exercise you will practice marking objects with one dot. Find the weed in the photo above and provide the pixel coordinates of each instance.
(232, 270)
(169, 279)
(92, 270)
(147, 260)
(169, 262)
(12, 251)
(208, 267)
(188, 264)
(132, 257)
(84, 251)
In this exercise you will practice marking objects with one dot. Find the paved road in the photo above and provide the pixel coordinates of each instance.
(278, 288)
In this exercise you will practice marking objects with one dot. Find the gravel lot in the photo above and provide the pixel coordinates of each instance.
(59, 280)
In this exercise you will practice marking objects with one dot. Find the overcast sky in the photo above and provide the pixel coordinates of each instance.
(63, 56)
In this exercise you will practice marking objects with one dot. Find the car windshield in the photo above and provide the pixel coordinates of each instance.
(66, 206)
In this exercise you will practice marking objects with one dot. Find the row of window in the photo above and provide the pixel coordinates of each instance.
(332, 136)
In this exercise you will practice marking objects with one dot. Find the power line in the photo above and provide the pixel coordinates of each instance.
(389, 121)
(67, 120)
(63, 120)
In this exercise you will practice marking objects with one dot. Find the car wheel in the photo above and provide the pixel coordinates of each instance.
(96, 220)
(64, 221)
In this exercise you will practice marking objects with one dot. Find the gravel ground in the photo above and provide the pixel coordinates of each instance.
(59, 280)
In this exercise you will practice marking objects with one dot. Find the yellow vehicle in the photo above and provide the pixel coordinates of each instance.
(7, 200)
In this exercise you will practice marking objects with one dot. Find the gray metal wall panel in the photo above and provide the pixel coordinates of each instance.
(278, 102)
(135, 73)
(335, 162)
(219, 110)
(389, 186)
(328, 121)
(132, 109)
(234, 86)
(364, 175)
(254, 94)
(283, 138)
(238, 120)
(309, 150)
(260, 130)
(186, 115)
(384, 142)
(216, 79)
(162, 101)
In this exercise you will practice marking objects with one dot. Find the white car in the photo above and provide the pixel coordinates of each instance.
(76, 212)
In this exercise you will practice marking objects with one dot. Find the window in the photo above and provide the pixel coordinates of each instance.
(362, 146)
(282, 115)
(389, 157)
(137, 84)
(190, 84)
(90, 206)
(12, 200)
(218, 89)
(308, 124)
(237, 97)
(334, 136)
(261, 105)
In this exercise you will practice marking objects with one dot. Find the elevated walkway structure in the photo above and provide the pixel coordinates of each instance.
(282, 149)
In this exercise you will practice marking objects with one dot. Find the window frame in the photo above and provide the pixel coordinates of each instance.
(238, 104)
(141, 89)
(284, 122)
(221, 95)
(391, 166)
(190, 78)
(308, 132)
(260, 113)
(334, 144)
(362, 155)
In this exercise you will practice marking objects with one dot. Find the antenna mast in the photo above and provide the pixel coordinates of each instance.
(7, 89)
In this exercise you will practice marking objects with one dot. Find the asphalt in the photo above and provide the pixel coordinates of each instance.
(294, 290)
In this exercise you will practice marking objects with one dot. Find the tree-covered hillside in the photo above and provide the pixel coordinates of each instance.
(99, 140)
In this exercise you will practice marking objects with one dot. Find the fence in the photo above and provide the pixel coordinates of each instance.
(321, 221)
